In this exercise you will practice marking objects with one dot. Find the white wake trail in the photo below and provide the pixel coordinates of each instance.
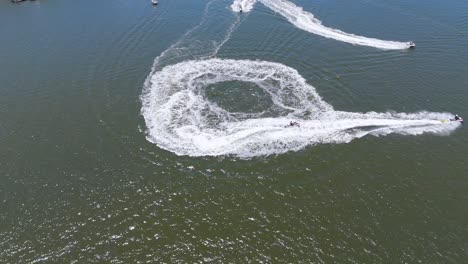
(180, 118)
(306, 21)
(204, 40)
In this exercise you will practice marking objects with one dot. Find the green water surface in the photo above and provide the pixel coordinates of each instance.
(79, 182)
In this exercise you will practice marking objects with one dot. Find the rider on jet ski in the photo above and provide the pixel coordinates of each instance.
(457, 118)
(294, 124)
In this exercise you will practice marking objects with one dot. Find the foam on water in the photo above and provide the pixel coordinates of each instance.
(306, 21)
(244, 5)
(181, 119)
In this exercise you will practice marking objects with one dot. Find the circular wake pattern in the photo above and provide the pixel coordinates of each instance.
(181, 119)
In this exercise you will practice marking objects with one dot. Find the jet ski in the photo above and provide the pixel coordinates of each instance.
(457, 118)
(411, 45)
(293, 124)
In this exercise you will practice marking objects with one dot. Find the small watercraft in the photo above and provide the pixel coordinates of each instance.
(293, 124)
(154, 2)
(457, 118)
(411, 45)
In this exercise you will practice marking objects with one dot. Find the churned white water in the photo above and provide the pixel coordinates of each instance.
(244, 5)
(181, 119)
(306, 21)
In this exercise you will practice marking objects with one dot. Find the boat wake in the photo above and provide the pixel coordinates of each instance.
(244, 5)
(307, 22)
(181, 118)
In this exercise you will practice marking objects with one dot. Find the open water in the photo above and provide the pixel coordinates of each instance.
(138, 134)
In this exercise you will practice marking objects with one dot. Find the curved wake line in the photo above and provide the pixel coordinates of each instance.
(181, 119)
(307, 22)
(188, 47)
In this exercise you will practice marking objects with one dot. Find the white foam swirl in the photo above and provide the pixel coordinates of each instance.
(306, 21)
(181, 119)
(244, 5)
